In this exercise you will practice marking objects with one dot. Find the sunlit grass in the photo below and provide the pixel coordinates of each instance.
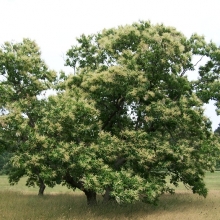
(19, 202)
(21, 187)
(212, 181)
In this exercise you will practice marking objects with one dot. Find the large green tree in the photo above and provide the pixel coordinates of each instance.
(137, 75)
(126, 120)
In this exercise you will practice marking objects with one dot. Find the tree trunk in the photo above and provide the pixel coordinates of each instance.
(41, 187)
(107, 197)
(91, 197)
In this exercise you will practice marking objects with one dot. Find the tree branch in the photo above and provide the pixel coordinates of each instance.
(119, 105)
(119, 162)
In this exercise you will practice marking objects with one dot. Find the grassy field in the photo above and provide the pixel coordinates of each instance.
(19, 202)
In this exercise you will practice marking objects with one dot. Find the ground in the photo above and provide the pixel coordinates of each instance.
(19, 202)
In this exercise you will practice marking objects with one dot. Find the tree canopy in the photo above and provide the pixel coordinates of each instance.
(126, 120)
(24, 77)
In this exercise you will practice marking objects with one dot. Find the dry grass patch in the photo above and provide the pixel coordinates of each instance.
(182, 205)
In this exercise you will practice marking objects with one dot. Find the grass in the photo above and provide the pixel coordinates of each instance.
(21, 187)
(19, 202)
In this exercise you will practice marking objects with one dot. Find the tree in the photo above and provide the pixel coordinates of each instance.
(137, 76)
(4, 158)
(217, 130)
(217, 133)
(24, 77)
(124, 122)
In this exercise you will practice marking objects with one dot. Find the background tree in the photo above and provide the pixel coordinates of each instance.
(217, 133)
(24, 78)
(4, 158)
(217, 130)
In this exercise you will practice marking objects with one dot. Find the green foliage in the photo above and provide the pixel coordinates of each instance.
(24, 76)
(217, 133)
(137, 76)
(126, 120)
(4, 158)
(217, 130)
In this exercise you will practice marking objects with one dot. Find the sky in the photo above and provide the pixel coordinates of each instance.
(55, 24)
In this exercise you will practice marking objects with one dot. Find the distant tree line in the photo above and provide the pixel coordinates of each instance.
(217, 132)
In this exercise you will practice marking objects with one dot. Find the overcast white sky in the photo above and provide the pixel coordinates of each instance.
(55, 24)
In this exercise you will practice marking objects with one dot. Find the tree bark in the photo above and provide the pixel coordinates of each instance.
(106, 196)
(91, 197)
(41, 187)
(119, 162)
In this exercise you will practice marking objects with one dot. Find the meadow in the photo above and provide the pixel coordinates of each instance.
(20, 202)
